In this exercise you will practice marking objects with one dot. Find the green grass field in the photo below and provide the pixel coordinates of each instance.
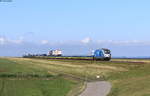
(43, 77)
(21, 82)
(53, 87)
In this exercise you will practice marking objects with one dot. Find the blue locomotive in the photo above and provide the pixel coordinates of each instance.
(102, 54)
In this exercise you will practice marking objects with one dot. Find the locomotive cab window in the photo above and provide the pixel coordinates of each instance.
(107, 52)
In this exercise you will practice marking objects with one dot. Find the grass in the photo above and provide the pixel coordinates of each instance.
(134, 82)
(75, 67)
(35, 87)
(23, 79)
(128, 77)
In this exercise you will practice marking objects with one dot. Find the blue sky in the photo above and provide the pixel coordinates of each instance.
(76, 26)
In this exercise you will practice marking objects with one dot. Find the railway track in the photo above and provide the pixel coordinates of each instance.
(90, 59)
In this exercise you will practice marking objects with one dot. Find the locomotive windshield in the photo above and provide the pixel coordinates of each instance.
(106, 51)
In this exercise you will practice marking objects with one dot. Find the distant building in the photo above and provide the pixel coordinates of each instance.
(55, 53)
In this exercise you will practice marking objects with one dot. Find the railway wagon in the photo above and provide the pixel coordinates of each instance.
(55, 53)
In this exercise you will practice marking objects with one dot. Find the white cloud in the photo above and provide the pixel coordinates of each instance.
(18, 41)
(44, 42)
(10, 41)
(2, 40)
(125, 42)
(86, 40)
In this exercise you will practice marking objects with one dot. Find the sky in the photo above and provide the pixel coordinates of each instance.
(75, 26)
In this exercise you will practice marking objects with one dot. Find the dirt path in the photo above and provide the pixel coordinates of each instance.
(101, 88)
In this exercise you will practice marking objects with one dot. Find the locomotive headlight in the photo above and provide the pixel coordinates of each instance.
(107, 55)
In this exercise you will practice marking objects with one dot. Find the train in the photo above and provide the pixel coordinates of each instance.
(98, 54)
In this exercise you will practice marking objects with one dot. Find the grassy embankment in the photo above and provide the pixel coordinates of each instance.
(127, 78)
(21, 78)
(134, 82)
